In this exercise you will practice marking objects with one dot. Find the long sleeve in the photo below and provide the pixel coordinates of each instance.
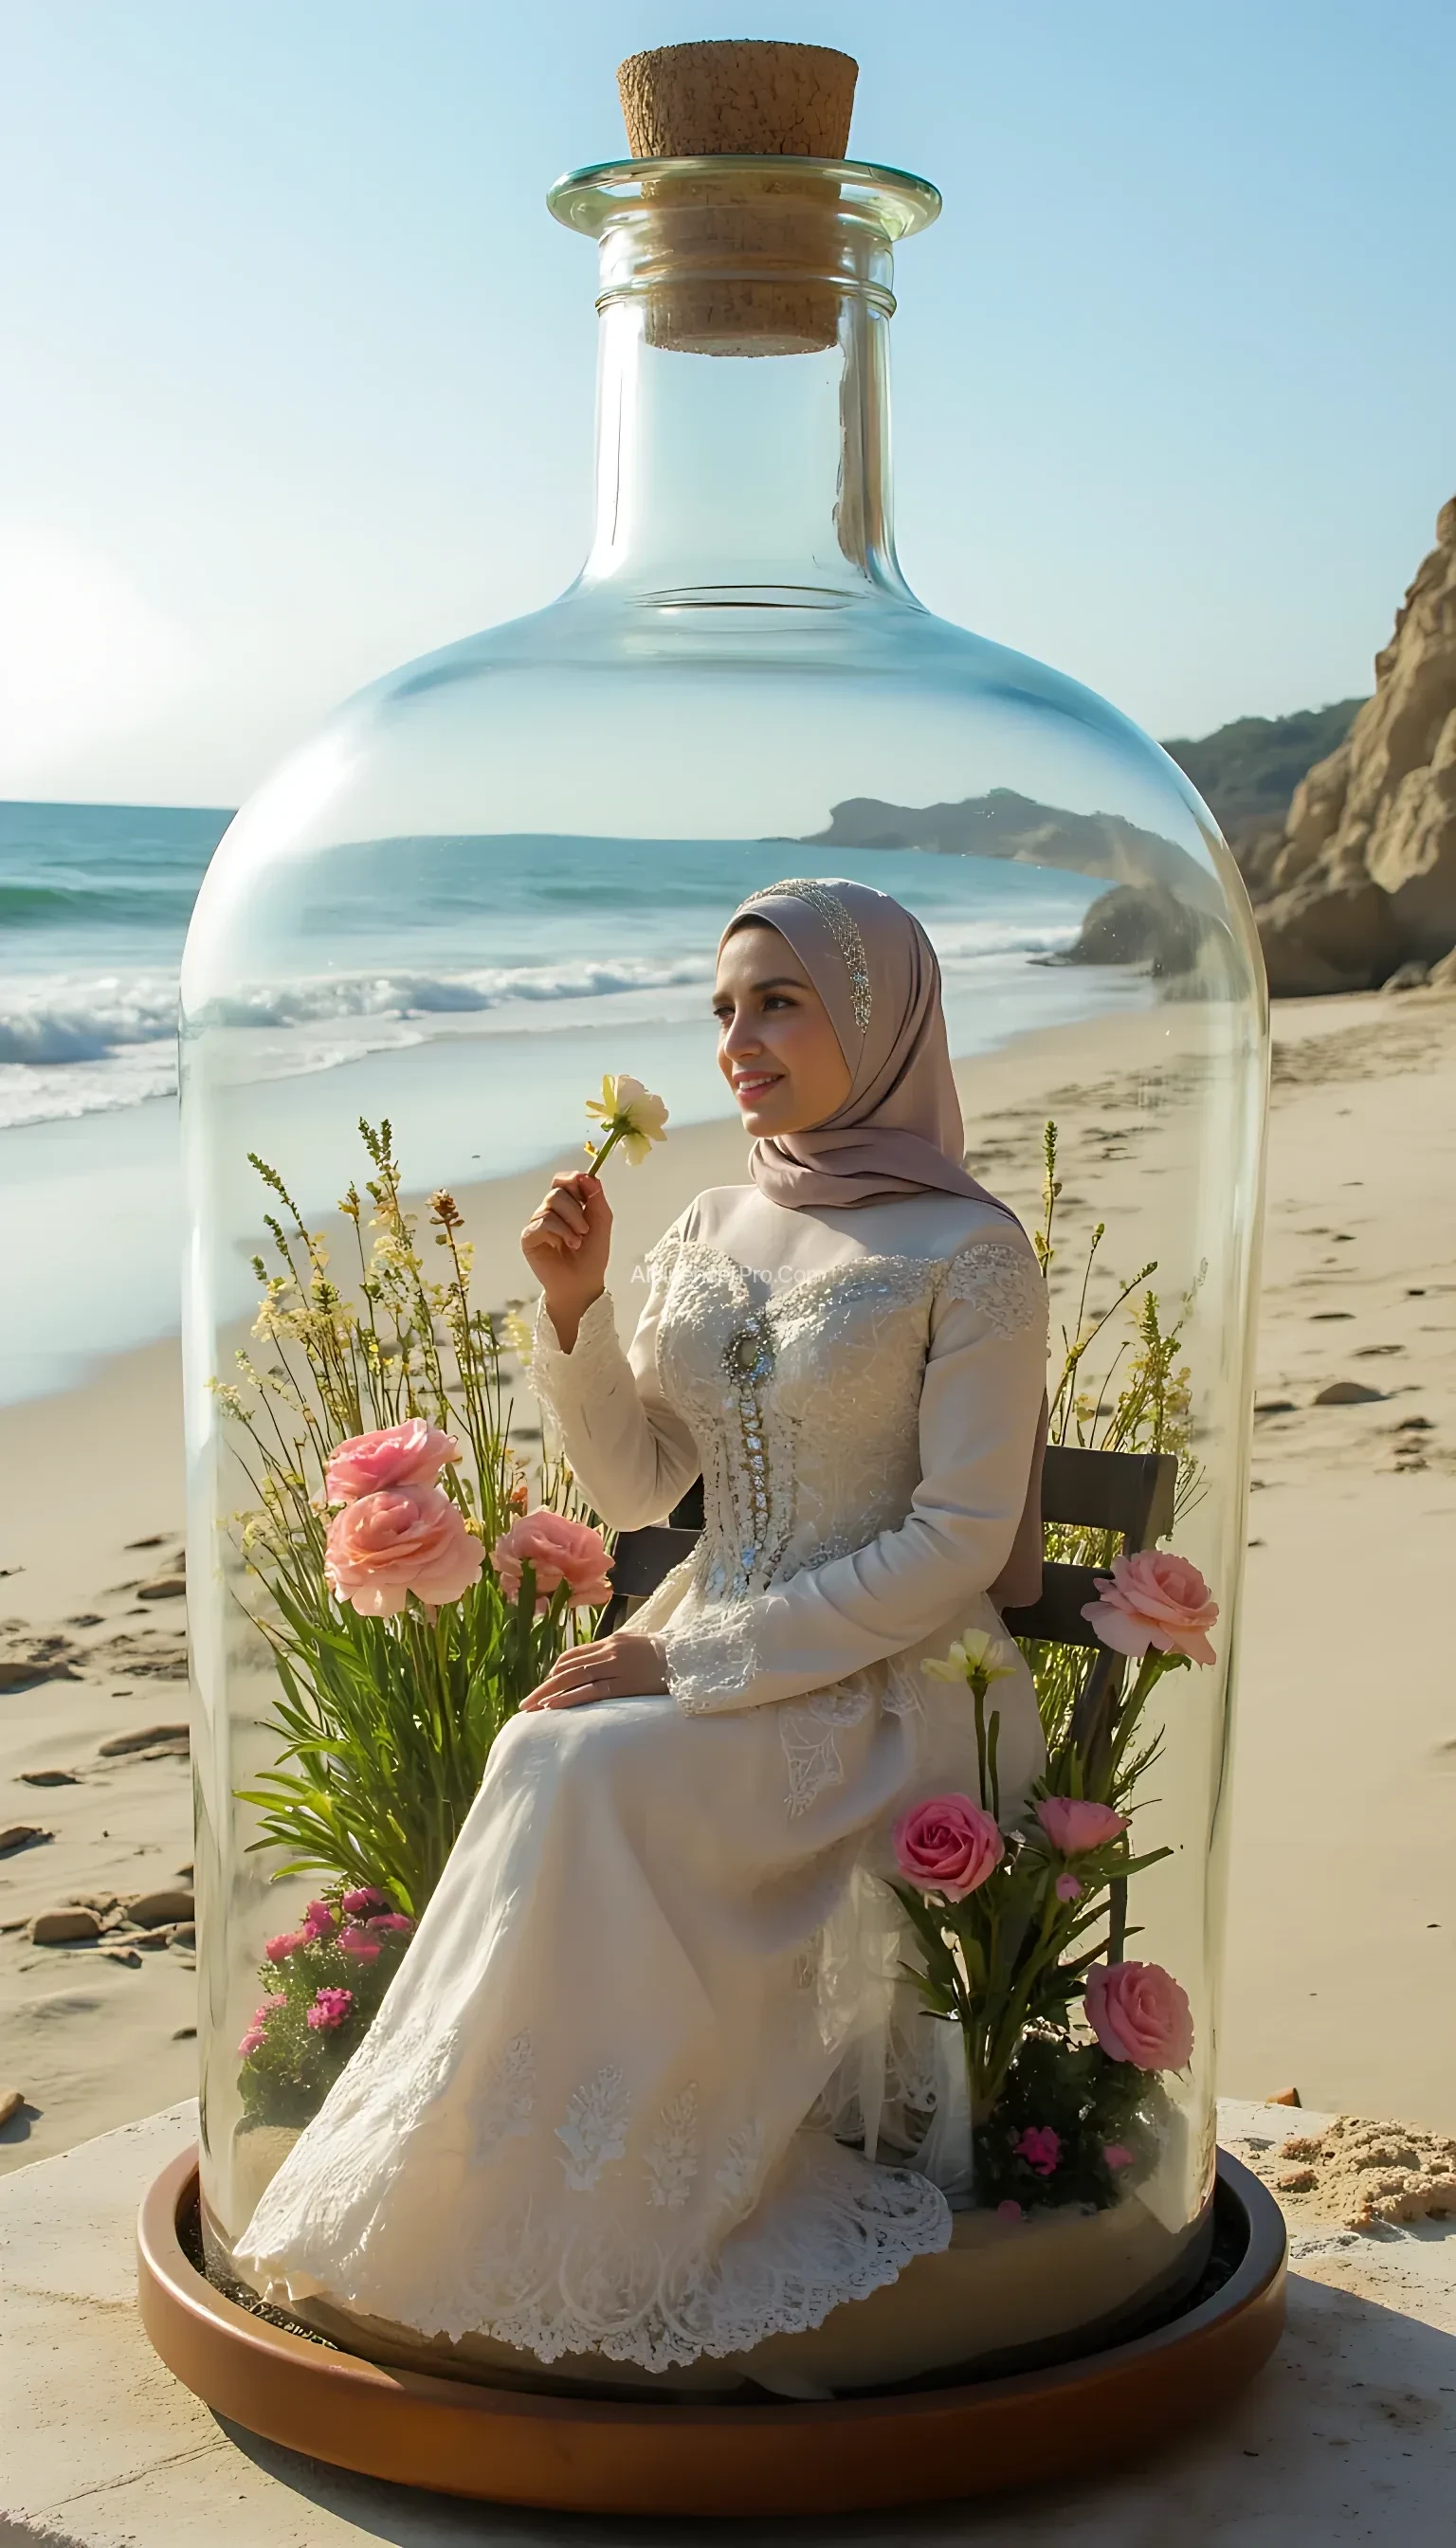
(632, 1455)
(979, 1411)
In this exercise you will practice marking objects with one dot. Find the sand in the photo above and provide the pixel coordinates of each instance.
(1341, 1879)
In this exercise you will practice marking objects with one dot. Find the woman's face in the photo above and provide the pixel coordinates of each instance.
(777, 1049)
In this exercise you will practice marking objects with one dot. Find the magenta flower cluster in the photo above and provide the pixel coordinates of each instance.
(358, 1929)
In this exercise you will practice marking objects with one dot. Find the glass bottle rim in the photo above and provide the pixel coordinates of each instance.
(593, 199)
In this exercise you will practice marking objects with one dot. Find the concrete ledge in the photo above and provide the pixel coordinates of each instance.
(1349, 2436)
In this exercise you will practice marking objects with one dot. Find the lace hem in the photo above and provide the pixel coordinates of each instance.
(838, 2230)
(708, 1658)
(1002, 1281)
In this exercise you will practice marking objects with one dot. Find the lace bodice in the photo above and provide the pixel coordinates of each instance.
(862, 1413)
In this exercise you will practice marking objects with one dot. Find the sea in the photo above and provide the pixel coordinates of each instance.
(598, 961)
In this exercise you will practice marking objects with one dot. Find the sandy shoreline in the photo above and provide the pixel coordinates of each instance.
(1342, 1882)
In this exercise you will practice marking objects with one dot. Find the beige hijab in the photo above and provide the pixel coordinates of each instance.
(899, 1130)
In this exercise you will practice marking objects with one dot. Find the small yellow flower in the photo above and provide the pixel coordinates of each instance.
(977, 1658)
(627, 1112)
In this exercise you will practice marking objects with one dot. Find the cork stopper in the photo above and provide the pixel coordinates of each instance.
(697, 101)
(747, 256)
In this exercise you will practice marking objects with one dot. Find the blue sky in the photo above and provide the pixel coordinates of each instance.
(300, 370)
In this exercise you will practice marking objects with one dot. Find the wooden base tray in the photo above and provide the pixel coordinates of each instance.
(924, 2446)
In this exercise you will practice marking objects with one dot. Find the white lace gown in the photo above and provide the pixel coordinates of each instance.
(594, 2114)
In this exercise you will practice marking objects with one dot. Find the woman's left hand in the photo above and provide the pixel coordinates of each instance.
(619, 1667)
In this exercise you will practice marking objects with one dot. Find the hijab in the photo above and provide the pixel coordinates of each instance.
(899, 1130)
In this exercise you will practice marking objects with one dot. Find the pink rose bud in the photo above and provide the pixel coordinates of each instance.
(1117, 2154)
(329, 2009)
(398, 1542)
(1154, 1599)
(1075, 1823)
(1040, 2147)
(390, 1920)
(948, 1846)
(251, 2041)
(362, 1899)
(1009, 2211)
(403, 1455)
(1067, 1889)
(560, 1551)
(319, 1921)
(1140, 2014)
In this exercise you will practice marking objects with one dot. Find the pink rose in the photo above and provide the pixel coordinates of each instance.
(279, 1948)
(319, 1921)
(362, 1899)
(329, 2009)
(396, 1541)
(560, 1550)
(404, 1455)
(1067, 1889)
(1140, 2014)
(1154, 1599)
(251, 2041)
(1117, 2154)
(390, 1920)
(1075, 1823)
(948, 1846)
(1040, 2147)
(357, 1941)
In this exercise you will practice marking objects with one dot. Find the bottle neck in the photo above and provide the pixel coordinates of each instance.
(744, 475)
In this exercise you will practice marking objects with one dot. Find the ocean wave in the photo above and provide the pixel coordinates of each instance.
(48, 1022)
(78, 1045)
(409, 994)
(164, 905)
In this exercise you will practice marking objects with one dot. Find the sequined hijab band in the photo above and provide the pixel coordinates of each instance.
(900, 1129)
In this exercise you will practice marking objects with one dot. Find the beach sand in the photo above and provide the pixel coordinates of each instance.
(1342, 1877)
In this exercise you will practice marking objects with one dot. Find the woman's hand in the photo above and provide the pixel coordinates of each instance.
(566, 1243)
(619, 1667)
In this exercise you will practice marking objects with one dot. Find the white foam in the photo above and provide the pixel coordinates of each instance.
(73, 1045)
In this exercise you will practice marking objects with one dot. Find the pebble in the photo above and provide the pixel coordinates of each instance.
(156, 1540)
(64, 1927)
(1347, 1392)
(184, 2034)
(49, 1778)
(16, 1673)
(156, 1910)
(142, 1740)
(22, 1836)
(124, 1954)
(11, 2102)
(162, 1588)
(1285, 2097)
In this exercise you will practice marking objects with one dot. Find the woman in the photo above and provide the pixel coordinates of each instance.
(595, 2116)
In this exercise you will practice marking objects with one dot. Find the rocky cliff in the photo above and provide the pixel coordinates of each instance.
(1360, 886)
